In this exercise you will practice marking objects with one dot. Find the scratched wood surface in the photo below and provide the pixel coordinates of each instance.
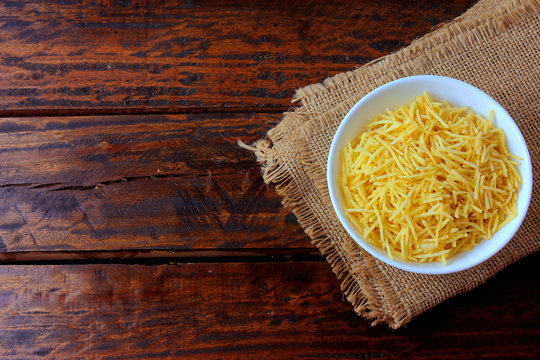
(174, 55)
(133, 226)
(246, 311)
(138, 182)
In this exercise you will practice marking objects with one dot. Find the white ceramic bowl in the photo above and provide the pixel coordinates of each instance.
(457, 93)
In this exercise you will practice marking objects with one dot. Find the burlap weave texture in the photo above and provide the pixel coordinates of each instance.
(494, 46)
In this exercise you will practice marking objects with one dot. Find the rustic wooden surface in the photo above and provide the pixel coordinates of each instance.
(246, 310)
(138, 182)
(133, 226)
(155, 56)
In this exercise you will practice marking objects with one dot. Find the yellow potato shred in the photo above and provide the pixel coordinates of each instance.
(429, 180)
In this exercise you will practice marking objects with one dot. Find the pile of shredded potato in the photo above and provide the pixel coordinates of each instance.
(429, 180)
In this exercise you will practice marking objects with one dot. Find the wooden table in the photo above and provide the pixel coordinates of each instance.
(133, 226)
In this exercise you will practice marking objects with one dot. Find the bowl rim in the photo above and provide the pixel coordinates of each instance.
(407, 265)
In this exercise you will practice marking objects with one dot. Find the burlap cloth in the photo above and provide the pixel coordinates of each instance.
(495, 46)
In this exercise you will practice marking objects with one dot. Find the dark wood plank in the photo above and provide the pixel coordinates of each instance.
(138, 182)
(204, 212)
(155, 56)
(58, 152)
(247, 310)
(159, 256)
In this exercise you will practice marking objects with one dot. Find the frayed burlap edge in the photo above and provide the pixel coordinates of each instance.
(276, 160)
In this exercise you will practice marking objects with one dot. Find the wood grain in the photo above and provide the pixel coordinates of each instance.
(143, 236)
(59, 152)
(246, 310)
(158, 256)
(204, 212)
(184, 55)
(138, 182)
